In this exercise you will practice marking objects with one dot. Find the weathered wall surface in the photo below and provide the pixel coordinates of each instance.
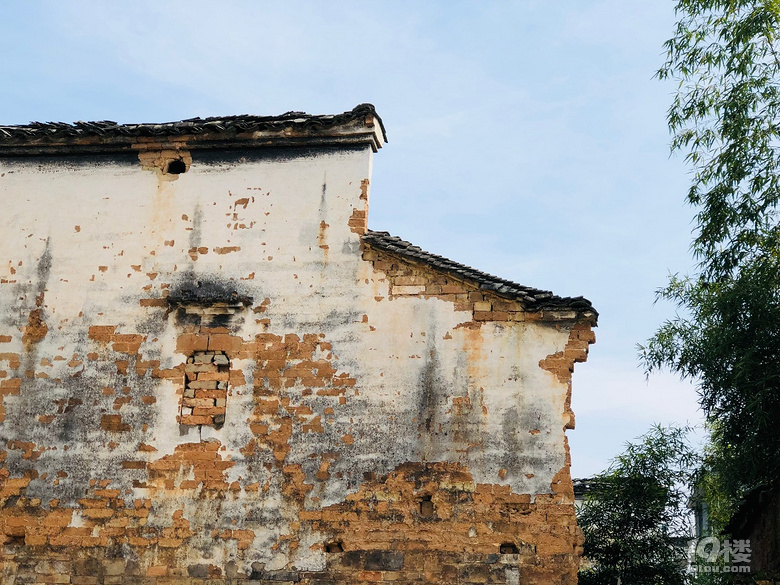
(375, 420)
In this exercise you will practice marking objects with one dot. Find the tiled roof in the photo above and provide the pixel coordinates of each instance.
(533, 299)
(299, 121)
(583, 486)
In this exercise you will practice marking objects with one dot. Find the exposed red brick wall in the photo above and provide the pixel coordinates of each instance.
(457, 538)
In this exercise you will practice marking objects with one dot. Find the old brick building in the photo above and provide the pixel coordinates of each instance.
(211, 371)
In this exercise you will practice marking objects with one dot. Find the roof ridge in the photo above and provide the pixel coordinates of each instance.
(532, 298)
(241, 123)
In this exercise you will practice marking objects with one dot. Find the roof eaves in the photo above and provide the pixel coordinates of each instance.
(533, 299)
(360, 125)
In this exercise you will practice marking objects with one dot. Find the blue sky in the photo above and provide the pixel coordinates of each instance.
(527, 139)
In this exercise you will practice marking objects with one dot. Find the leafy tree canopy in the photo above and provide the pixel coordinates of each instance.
(726, 118)
(635, 520)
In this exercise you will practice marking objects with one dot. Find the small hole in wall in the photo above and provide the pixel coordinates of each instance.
(333, 547)
(426, 507)
(508, 548)
(14, 540)
(176, 167)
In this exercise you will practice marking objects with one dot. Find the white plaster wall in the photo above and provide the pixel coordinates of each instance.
(93, 236)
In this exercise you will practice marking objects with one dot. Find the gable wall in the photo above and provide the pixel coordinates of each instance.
(360, 385)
